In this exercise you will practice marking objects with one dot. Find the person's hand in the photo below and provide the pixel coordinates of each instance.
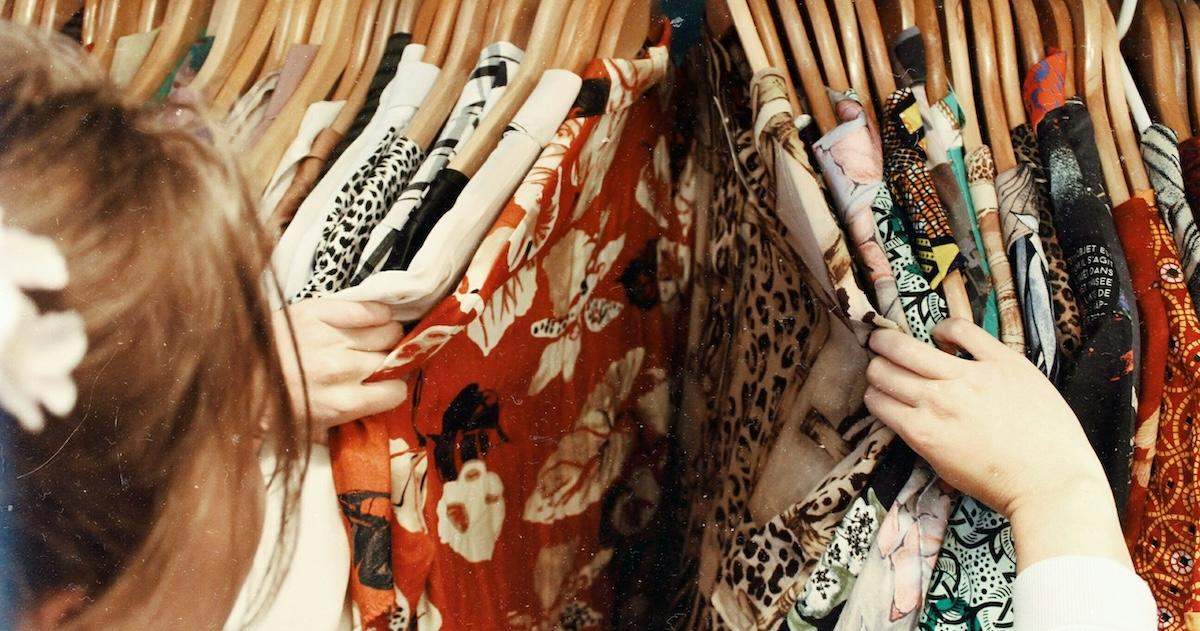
(341, 344)
(996, 429)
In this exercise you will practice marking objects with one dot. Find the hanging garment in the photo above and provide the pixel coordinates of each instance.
(1100, 388)
(774, 454)
(890, 591)
(128, 54)
(294, 256)
(836, 573)
(393, 51)
(458, 237)
(981, 170)
(1160, 152)
(525, 460)
(943, 123)
(913, 188)
(295, 66)
(1189, 157)
(317, 117)
(851, 161)
(1066, 309)
(1021, 205)
(185, 70)
(497, 67)
(1162, 515)
(307, 171)
(249, 109)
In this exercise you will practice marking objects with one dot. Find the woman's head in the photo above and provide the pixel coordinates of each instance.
(142, 501)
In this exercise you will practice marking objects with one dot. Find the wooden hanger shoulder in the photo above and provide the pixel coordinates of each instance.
(802, 54)
(184, 21)
(26, 12)
(1060, 34)
(230, 34)
(152, 13)
(1127, 139)
(466, 42)
(856, 64)
(547, 27)
(114, 19)
(962, 73)
(581, 36)
(769, 36)
(360, 48)
(827, 43)
(406, 15)
(878, 57)
(1006, 61)
(317, 83)
(936, 83)
(986, 62)
(358, 96)
(628, 20)
(251, 57)
(423, 23)
(1191, 23)
(441, 32)
(1087, 20)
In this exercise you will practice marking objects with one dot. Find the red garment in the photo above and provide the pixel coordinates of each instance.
(528, 457)
(1162, 509)
(1045, 86)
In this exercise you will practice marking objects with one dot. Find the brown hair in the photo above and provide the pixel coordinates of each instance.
(141, 499)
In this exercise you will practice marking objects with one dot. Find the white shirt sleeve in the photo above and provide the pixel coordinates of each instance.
(1077, 593)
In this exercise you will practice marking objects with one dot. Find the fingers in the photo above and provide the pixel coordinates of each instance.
(961, 334)
(915, 355)
(898, 382)
(378, 338)
(381, 396)
(344, 314)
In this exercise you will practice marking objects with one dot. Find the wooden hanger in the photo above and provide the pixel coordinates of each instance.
(1127, 138)
(827, 43)
(769, 36)
(623, 34)
(230, 30)
(1060, 34)
(423, 22)
(810, 75)
(856, 64)
(90, 9)
(388, 11)
(153, 13)
(253, 54)
(514, 22)
(183, 23)
(466, 42)
(26, 12)
(580, 39)
(361, 47)
(406, 16)
(991, 94)
(6, 9)
(114, 19)
(543, 45)
(1006, 60)
(878, 58)
(1089, 76)
(1191, 23)
(295, 26)
(1178, 49)
(441, 32)
(56, 13)
(322, 74)
(936, 83)
(963, 75)
(1156, 66)
(1033, 50)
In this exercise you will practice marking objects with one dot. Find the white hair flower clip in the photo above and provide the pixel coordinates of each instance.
(38, 351)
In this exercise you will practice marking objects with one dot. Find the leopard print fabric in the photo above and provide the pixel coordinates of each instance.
(1066, 311)
(756, 424)
(358, 208)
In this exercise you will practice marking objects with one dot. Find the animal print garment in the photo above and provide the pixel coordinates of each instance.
(1066, 309)
(777, 452)
(981, 171)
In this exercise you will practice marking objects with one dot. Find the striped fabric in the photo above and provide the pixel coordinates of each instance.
(1160, 152)
(497, 67)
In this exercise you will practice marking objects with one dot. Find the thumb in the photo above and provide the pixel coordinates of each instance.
(957, 333)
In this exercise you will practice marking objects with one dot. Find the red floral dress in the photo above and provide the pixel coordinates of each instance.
(528, 457)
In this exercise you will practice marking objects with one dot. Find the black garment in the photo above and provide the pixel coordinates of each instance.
(442, 194)
(383, 75)
(1100, 389)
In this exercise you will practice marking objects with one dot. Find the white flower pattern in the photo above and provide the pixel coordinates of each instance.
(471, 512)
(574, 267)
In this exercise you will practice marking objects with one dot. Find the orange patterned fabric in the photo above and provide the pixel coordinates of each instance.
(1162, 508)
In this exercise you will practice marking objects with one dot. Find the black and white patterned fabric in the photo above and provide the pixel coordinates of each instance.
(1160, 152)
(497, 66)
(358, 207)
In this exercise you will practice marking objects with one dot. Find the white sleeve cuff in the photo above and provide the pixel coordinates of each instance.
(1079, 593)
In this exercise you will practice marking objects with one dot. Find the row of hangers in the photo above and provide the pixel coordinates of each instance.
(251, 38)
(983, 48)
